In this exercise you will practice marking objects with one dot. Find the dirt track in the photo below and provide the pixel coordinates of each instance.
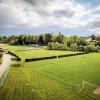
(6, 59)
(97, 91)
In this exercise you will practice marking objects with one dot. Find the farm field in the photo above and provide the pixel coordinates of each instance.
(55, 79)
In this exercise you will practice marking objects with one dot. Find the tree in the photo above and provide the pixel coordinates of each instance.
(47, 38)
(60, 38)
(56, 46)
(93, 37)
(73, 46)
(98, 41)
(71, 40)
(98, 38)
(21, 39)
(81, 41)
(51, 46)
(90, 48)
(40, 40)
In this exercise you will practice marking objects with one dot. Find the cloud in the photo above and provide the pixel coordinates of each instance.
(48, 13)
(94, 27)
(97, 7)
(17, 14)
(64, 13)
(38, 2)
(95, 24)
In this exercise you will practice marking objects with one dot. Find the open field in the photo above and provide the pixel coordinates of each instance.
(36, 52)
(51, 79)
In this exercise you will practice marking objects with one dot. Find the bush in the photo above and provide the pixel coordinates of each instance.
(98, 48)
(73, 46)
(50, 45)
(90, 48)
(81, 48)
(56, 46)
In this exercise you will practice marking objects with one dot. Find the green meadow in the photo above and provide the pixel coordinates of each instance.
(54, 79)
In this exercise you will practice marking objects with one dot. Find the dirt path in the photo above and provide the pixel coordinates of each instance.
(6, 59)
(97, 91)
(4, 67)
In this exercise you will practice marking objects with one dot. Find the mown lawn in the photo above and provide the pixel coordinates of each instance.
(52, 79)
(36, 52)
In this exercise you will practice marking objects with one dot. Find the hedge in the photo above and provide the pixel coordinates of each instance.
(52, 57)
(18, 59)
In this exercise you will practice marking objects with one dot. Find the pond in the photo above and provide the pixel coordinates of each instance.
(13, 58)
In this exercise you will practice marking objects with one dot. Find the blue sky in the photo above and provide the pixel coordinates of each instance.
(80, 17)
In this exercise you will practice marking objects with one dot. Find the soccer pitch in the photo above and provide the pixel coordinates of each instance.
(25, 52)
(44, 80)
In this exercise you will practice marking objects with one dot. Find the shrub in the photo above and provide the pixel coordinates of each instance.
(56, 46)
(73, 46)
(50, 45)
(98, 48)
(90, 48)
(81, 48)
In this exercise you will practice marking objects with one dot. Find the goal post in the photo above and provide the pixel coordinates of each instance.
(57, 57)
(90, 89)
(54, 60)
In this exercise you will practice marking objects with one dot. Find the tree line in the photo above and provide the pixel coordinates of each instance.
(55, 41)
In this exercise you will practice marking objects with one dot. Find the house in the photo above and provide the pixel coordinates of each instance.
(90, 40)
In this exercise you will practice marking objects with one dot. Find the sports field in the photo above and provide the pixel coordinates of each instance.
(25, 52)
(55, 79)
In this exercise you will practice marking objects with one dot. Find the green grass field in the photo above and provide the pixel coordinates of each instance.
(51, 79)
(35, 53)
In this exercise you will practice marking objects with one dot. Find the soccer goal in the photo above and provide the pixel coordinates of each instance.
(54, 60)
(90, 89)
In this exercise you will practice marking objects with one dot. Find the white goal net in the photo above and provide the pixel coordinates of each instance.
(91, 90)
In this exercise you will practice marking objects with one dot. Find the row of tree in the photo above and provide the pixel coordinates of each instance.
(73, 47)
(43, 39)
(53, 41)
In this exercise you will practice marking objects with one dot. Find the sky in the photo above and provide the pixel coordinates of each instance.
(71, 17)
